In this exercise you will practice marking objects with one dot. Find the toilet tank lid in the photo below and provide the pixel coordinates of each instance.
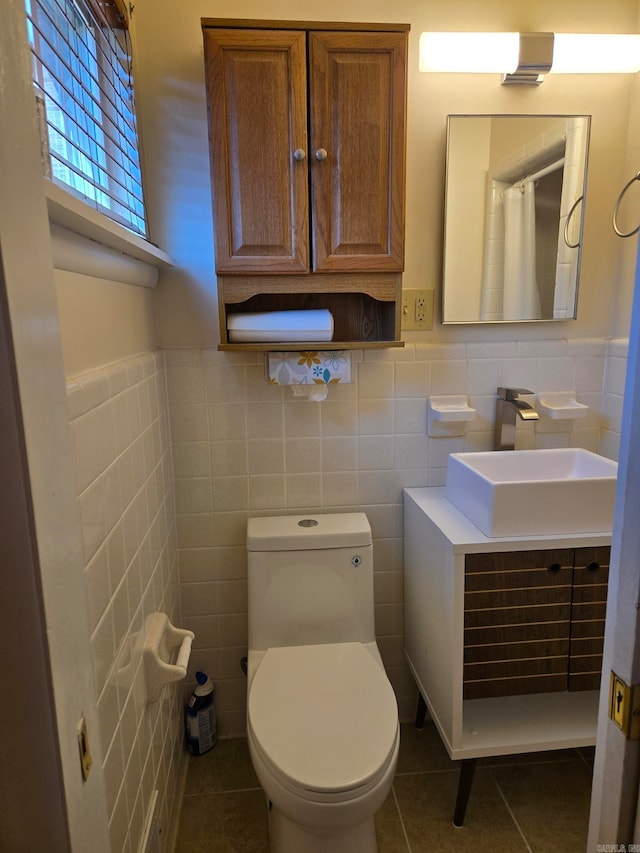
(308, 532)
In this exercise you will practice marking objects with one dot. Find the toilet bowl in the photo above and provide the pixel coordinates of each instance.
(322, 718)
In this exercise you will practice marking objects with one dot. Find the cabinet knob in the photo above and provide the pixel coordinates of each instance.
(321, 154)
(299, 154)
(554, 568)
(593, 567)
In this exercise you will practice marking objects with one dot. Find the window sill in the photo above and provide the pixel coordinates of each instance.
(78, 217)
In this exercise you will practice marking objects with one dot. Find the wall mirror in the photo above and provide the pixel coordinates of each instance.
(514, 211)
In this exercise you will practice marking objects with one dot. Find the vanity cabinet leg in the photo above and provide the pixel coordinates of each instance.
(421, 712)
(467, 769)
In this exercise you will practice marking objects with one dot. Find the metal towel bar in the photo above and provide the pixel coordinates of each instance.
(620, 233)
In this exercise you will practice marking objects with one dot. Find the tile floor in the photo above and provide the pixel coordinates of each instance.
(535, 803)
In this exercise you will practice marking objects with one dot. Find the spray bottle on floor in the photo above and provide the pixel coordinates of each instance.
(200, 717)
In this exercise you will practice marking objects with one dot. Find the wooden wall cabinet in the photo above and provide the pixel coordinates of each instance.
(307, 136)
(503, 636)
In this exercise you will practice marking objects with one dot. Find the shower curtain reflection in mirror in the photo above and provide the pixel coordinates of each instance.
(520, 299)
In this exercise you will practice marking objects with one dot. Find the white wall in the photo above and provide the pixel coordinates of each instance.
(467, 206)
(102, 321)
(622, 294)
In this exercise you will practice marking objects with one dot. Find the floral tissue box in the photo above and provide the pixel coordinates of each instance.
(312, 367)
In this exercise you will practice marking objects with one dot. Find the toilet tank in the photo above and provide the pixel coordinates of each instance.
(310, 580)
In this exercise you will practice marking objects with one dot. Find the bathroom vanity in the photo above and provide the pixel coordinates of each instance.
(503, 635)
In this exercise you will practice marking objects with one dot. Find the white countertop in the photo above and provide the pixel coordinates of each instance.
(465, 536)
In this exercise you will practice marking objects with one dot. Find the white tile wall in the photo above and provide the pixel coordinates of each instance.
(119, 421)
(613, 396)
(243, 447)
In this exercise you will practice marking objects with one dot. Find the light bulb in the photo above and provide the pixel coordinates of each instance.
(475, 52)
(587, 53)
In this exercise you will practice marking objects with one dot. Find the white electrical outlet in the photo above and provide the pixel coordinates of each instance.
(417, 310)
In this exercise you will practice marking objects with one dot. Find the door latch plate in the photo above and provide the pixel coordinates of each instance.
(83, 747)
(624, 706)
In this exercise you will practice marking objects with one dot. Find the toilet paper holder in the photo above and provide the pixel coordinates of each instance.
(160, 643)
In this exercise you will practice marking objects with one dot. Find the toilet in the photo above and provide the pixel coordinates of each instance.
(322, 718)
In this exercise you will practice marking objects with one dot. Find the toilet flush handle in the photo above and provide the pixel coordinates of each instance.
(356, 561)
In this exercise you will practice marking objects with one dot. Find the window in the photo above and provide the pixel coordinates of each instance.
(83, 83)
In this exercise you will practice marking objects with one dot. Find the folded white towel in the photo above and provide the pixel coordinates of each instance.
(267, 326)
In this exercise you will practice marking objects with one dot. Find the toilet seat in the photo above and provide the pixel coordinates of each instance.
(324, 718)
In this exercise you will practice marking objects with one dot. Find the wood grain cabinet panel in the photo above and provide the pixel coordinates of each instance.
(357, 103)
(534, 621)
(257, 95)
(589, 605)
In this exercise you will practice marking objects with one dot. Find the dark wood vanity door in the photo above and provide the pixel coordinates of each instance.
(588, 610)
(517, 622)
(534, 621)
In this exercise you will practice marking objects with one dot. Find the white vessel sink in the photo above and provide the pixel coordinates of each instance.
(533, 492)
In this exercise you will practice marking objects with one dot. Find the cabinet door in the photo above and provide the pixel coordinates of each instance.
(588, 610)
(517, 608)
(357, 90)
(256, 93)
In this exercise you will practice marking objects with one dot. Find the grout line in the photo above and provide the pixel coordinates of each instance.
(226, 791)
(585, 760)
(530, 762)
(428, 772)
(513, 817)
(404, 831)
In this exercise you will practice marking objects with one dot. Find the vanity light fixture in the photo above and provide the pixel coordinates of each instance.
(524, 58)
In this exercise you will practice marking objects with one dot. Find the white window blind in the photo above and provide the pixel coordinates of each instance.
(83, 81)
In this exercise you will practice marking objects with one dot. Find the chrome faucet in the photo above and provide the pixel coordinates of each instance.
(507, 407)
